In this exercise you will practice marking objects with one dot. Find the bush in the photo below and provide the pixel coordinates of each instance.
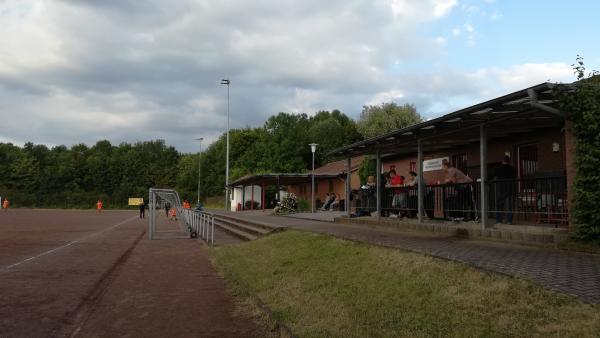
(583, 106)
(303, 204)
(251, 205)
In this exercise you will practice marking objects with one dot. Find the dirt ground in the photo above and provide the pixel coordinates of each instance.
(80, 273)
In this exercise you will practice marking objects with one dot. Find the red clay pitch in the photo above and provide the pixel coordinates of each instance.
(80, 273)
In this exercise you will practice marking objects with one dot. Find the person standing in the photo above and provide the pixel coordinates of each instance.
(167, 208)
(142, 209)
(5, 204)
(398, 200)
(463, 205)
(99, 206)
(505, 190)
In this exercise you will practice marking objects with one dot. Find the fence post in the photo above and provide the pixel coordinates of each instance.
(378, 188)
(483, 164)
(421, 182)
(212, 232)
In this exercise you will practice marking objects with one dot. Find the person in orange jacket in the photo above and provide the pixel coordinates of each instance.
(5, 204)
(99, 206)
(173, 214)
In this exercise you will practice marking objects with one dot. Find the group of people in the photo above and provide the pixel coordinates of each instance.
(461, 203)
(331, 202)
(400, 196)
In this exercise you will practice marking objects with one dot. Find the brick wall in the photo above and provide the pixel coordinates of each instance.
(548, 159)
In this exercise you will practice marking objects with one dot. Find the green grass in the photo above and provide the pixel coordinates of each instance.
(216, 202)
(321, 286)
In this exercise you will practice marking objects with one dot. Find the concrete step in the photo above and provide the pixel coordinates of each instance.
(253, 223)
(223, 237)
(233, 230)
(527, 235)
(246, 226)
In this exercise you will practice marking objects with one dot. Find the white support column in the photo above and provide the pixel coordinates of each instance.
(378, 171)
(483, 164)
(421, 182)
(151, 202)
(348, 183)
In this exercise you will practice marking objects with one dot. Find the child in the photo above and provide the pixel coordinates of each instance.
(173, 214)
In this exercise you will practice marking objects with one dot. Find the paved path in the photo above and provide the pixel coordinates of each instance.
(577, 274)
(97, 275)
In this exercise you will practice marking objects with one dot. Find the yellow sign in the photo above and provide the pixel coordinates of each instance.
(135, 201)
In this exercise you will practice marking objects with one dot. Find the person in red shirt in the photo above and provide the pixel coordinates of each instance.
(99, 206)
(399, 198)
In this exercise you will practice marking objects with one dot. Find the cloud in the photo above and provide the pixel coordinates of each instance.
(446, 90)
(129, 70)
(124, 70)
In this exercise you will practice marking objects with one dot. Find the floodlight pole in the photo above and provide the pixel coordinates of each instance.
(313, 148)
(199, 166)
(227, 82)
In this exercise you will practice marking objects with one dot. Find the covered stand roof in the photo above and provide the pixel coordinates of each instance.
(283, 178)
(523, 111)
(327, 171)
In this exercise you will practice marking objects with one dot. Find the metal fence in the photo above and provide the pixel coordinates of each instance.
(530, 200)
(199, 224)
(193, 223)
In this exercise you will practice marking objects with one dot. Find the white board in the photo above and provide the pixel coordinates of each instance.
(433, 164)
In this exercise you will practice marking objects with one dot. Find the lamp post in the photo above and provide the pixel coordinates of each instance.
(199, 166)
(227, 82)
(313, 148)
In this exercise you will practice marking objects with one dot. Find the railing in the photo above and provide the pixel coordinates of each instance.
(531, 200)
(199, 223)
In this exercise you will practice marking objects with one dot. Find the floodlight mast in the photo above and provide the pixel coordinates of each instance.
(199, 166)
(227, 82)
(313, 149)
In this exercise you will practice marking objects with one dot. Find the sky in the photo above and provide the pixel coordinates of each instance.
(80, 71)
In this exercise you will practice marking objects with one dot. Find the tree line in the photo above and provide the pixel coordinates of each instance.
(60, 177)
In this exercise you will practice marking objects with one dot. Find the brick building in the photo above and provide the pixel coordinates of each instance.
(330, 178)
(524, 125)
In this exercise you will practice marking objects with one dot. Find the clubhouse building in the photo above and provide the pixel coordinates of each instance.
(525, 126)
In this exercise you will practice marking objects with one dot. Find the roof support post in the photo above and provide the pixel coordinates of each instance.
(262, 204)
(243, 197)
(378, 172)
(278, 191)
(348, 183)
(421, 181)
(483, 166)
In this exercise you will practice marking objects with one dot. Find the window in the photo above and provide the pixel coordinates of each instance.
(412, 166)
(330, 185)
(459, 161)
(528, 160)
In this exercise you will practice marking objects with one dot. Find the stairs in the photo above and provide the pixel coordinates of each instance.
(244, 229)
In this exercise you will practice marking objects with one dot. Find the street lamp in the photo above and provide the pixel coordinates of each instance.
(199, 166)
(313, 148)
(227, 82)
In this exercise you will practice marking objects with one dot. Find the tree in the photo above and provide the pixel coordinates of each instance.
(387, 117)
(331, 131)
(582, 104)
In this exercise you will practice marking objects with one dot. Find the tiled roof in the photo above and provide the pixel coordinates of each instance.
(339, 167)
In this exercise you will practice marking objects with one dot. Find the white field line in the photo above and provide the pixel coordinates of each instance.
(6, 268)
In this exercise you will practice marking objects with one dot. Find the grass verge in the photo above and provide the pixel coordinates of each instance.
(321, 286)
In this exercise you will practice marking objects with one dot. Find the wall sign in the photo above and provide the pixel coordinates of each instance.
(433, 164)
